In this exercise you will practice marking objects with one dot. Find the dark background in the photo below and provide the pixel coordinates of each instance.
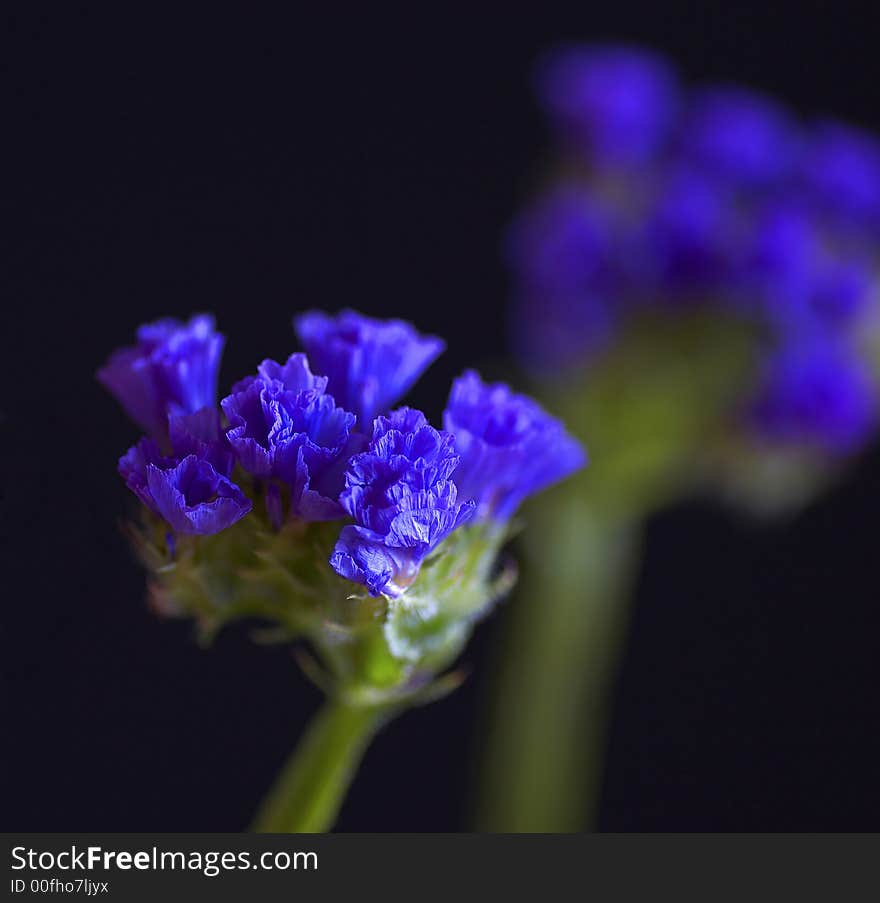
(255, 166)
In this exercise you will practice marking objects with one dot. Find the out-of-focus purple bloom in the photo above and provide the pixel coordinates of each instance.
(371, 364)
(740, 135)
(817, 393)
(560, 253)
(510, 447)
(686, 247)
(841, 291)
(188, 493)
(718, 198)
(403, 500)
(283, 427)
(841, 168)
(613, 103)
(561, 245)
(172, 370)
(780, 263)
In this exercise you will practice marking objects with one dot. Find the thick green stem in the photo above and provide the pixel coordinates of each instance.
(309, 792)
(545, 735)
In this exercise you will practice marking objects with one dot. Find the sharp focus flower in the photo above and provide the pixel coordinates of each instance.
(172, 370)
(403, 500)
(510, 447)
(616, 103)
(283, 427)
(370, 364)
(188, 493)
(817, 393)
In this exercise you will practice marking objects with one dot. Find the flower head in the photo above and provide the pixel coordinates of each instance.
(510, 447)
(189, 493)
(817, 393)
(728, 213)
(403, 500)
(172, 370)
(560, 251)
(841, 170)
(685, 246)
(200, 434)
(370, 364)
(614, 103)
(283, 427)
(739, 135)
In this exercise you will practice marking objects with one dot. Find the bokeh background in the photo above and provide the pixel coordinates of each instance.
(254, 167)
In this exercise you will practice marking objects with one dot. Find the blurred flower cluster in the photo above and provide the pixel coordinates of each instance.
(306, 500)
(669, 203)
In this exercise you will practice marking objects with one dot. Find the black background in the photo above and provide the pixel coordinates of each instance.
(254, 166)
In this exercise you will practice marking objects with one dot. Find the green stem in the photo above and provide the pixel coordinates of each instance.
(309, 792)
(544, 741)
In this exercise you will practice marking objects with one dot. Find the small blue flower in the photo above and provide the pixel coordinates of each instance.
(371, 364)
(614, 103)
(188, 493)
(560, 253)
(282, 427)
(739, 135)
(510, 447)
(841, 291)
(403, 501)
(200, 434)
(841, 170)
(780, 263)
(686, 245)
(817, 393)
(172, 370)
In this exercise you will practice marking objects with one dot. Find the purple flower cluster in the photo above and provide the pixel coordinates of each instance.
(321, 447)
(716, 196)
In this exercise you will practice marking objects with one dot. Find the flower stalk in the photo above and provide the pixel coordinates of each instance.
(543, 754)
(309, 791)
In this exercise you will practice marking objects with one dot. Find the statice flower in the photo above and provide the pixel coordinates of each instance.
(284, 429)
(190, 489)
(510, 447)
(779, 261)
(305, 505)
(403, 500)
(172, 369)
(561, 250)
(684, 249)
(189, 494)
(739, 135)
(841, 169)
(370, 364)
(817, 392)
(201, 434)
(720, 206)
(614, 103)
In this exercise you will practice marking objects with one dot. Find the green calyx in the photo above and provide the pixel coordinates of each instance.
(364, 650)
